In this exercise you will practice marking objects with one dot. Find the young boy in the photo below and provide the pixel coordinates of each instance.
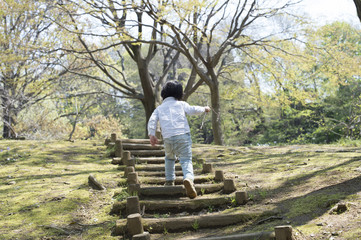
(171, 115)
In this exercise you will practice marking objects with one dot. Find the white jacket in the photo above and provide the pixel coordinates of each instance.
(171, 115)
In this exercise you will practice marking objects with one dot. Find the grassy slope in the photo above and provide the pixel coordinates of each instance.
(44, 192)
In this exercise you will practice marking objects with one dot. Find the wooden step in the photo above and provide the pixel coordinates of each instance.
(139, 141)
(149, 160)
(157, 173)
(153, 167)
(174, 205)
(179, 224)
(244, 236)
(147, 153)
(178, 180)
(178, 191)
(162, 173)
(137, 146)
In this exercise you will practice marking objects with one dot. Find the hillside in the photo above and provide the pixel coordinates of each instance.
(45, 193)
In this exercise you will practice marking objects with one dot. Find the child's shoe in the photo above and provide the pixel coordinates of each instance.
(190, 189)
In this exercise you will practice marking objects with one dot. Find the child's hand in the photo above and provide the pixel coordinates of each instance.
(207, 109)
(153, 140)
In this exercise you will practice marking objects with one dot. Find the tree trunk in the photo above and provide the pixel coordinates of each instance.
(358, 8)
(7, 132)
(73, 127)
(8, 120)
(149, 100)
(216, 114)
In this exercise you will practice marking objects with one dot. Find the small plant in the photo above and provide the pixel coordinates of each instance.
(203, 191)
(195, 225)
(109, 152)
(122, 183)
(233, 201)
(122, 195)
(165, 231)
(263, 193)
(210, 208)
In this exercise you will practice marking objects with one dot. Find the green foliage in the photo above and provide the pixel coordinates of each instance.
(195, 225)
(316, 97)
(122, 195)
(165, 231)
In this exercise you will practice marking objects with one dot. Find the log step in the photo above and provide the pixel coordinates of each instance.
(178, 191)
(178, 180)
(162, 173)
(154, 167)
(147, 153)
(138, 141)
(179, 224)
(138, 146)
(245, 236)
(174, 205)
(157, 173)
(150, 160)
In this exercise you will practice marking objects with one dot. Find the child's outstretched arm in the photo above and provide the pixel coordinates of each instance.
(195, 110)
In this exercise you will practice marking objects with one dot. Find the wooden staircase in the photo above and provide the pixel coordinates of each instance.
(151, 198)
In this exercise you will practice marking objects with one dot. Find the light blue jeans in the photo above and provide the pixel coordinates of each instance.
(179, 146)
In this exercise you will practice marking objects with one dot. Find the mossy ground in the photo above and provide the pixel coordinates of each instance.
(44, 192)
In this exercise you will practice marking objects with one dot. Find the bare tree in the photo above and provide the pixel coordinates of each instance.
(210, 30)
(26, 68)
(116, 19)
(205, 32)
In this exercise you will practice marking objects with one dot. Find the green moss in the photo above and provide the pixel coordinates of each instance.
(312, 203)
(49, 188)
(309, 229)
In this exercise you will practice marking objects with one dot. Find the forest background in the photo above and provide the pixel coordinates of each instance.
(84, 69)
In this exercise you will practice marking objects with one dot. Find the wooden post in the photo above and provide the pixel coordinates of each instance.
(219, 176)
(283, 232)
(113, 137)
(229, 186)
(132, 178)
(241, 197)
(128, 170)
(132, 205)
(134, 189)
(125, 157)
(207, 167)
(131, 163)
(118, 150)
(134, 224)
(142, 236)
(107, 141)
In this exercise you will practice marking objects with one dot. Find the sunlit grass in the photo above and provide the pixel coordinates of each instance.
(44, 189)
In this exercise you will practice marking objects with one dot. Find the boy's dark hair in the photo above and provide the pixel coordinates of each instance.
(172, 89)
